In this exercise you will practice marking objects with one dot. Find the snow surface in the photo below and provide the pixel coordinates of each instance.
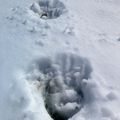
(88, 28)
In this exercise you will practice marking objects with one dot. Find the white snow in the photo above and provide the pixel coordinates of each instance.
(89, 29)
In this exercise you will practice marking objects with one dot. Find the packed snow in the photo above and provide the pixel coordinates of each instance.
(60, 60)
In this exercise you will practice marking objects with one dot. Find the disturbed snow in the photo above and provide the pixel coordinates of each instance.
(61, 59)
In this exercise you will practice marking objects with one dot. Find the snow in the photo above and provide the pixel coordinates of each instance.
(88, 29)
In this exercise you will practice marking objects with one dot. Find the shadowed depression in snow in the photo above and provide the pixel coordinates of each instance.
(62, 77)
(48, 9)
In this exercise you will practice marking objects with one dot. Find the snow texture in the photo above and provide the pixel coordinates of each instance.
(79, 41)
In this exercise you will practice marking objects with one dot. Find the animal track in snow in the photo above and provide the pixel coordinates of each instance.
(48, 9)
(62, 78)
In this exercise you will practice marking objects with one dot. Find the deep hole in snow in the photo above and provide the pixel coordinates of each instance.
(48, 9)
(63, 75)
